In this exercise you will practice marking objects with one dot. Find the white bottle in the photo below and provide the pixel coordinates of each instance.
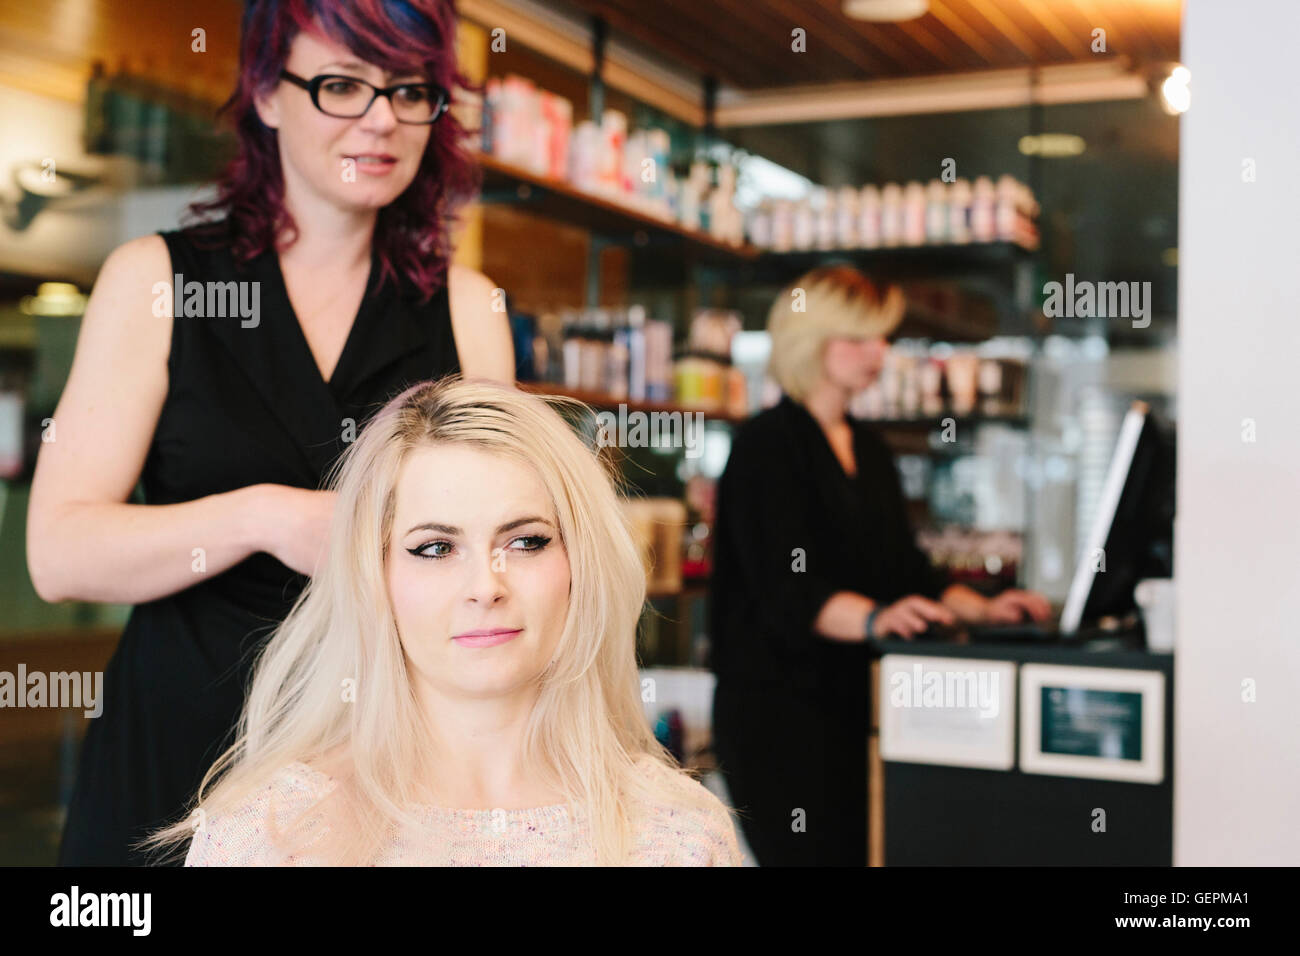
(936, 212)
(636, 353)
(869, 217)
(1008, 192)
(914, 214)
(846, 218)
(959, 199)
(824, 213)
(891, 215)
(783, 226)
(805, 225)
(983, 226)
(760, 225)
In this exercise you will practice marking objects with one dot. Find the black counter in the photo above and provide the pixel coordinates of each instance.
(943, 815)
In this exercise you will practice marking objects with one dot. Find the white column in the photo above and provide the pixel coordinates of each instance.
(1237, 538)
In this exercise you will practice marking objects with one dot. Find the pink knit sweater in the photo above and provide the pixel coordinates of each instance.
(542, 836)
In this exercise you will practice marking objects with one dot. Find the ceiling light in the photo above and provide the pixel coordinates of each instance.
(1052, 145)
(883, 11)
(54, 298)
(1175, 96)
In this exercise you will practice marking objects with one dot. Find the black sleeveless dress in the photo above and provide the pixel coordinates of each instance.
(792, 709)
(245, 405)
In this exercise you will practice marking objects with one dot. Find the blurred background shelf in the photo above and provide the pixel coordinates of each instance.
(940, 260)
(553, 198)
(602, 402)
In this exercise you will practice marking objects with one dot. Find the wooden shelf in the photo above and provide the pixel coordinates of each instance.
(930, 422)
(922, 322)
(889, 427)
(934, 261)
(603, 402)
(992, 269)
(558, 200)
(911, 436)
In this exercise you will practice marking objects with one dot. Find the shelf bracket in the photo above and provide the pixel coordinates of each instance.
(595, 245)
(599, 32)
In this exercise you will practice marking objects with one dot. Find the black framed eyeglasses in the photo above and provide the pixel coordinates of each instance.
(347, 97)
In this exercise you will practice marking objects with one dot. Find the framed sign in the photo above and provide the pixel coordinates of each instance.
(956, 711)
(1098, 722)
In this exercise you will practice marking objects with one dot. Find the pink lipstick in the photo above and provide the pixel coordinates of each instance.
(488, 637)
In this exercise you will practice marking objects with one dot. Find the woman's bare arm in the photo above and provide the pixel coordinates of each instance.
(484, 346)
(83, 541)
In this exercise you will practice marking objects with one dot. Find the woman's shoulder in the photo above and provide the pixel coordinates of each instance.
(142, 256)
(202, 230)
(242, 834)
(200, 250)
(688, 825)
(762, 433)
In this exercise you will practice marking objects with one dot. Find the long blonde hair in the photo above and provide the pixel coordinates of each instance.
(588, 728)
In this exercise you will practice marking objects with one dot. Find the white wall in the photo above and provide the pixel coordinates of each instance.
(65, 239)
(73, 237)
(1237, 764)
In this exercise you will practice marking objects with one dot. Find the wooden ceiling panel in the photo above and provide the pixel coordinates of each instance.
(152, 37)
(695, 37)
(49, 46)
(746, 43)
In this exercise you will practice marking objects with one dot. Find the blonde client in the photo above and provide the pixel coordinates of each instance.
(458, 683)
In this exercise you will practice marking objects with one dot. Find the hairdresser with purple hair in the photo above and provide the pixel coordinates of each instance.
(330, 244)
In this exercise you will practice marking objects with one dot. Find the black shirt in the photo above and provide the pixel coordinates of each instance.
(792, 529)
(245, 405)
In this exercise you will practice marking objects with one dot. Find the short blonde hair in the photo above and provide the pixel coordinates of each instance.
(822, 304)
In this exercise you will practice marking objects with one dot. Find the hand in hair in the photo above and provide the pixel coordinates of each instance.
(297, 525)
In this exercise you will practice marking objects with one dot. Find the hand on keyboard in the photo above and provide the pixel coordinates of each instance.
(909, 616)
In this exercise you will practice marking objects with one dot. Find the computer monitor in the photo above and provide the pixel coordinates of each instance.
(1131, 537)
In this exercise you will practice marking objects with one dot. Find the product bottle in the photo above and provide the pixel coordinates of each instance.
(613, 127)
(584, 156)
(636, 354)
(1008, 191)
(936, 212)
(846, 218)
(914, 214)
(659, 361)
(126, 107)
(157, 119)
(869, 217)
(982, 224)
(805, 224)
(617, 364)
(824, 212)
(491, 108)
(760, 225)
(959, 199)
(783, 226)
(891, 215)
(95, 130)
(571, 351)
(594, 347)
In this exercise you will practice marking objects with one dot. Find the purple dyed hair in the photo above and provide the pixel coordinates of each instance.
(413, 233)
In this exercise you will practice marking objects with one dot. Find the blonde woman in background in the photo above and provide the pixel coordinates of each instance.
(813, 553)
(458, 684)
